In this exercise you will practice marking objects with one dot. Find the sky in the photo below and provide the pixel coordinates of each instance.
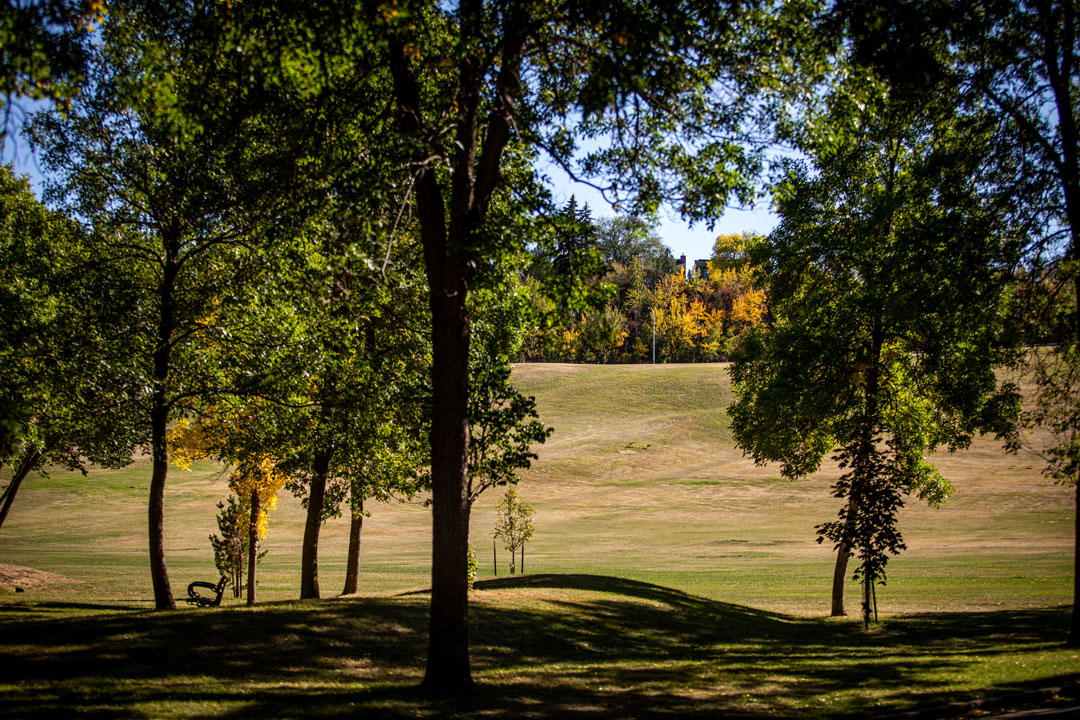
(695, 242)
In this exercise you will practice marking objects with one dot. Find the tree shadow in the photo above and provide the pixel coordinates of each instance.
(595, 647)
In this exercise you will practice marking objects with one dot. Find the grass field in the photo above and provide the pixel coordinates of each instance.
(668, 575)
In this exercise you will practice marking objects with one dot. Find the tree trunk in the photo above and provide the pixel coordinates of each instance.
(356, 526)
(448, 642)
(843, 553)
(1074, 633)
(309, 556)
(253, 546)
(28, 464)
(449, 235)
(494, 559)
(839, 579)
(522, 558)
(159, 418)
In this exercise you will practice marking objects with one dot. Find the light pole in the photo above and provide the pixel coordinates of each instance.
(653, 311)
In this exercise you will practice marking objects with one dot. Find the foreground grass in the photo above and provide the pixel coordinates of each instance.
(671, 576)
(543, 646)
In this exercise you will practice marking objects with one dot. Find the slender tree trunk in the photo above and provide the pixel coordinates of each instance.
(356, 526)
(159, 418)
(29, 463)
(843, 553)
(1074, 632)
(861, 462)
(839, 579)
(253, 546)
(494, 559)
(522, 558)
(309, 556)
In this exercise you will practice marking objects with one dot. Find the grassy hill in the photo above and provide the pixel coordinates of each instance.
(667, 574)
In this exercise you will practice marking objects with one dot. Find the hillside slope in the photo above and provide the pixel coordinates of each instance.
(641, 479)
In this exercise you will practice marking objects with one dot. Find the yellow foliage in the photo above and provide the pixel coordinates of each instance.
(258, 475)
(567, 342)
(188, 444)
(255, 473)
(749, 308)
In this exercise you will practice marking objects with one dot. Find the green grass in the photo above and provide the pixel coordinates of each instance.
(668, 575)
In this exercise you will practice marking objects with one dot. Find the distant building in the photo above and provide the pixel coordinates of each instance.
(700, 267)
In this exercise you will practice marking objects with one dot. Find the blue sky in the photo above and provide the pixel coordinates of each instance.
(694, 242)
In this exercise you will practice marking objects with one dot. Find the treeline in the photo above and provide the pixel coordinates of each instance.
(647, 309)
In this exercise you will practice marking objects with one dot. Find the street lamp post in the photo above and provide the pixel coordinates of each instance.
(653, 311)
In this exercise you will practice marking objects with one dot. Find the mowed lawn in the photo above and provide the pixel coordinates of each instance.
(668, 575)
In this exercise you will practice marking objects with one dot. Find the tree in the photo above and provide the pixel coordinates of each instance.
(1016, 60)
(503, 424)
(231, 547)
(174, 153)
(68, 387)
(225, 432)
(1022, 62)
(42, 54)
(885, 279)
(602, 331)
(480, 82)
(514, 525)
(355, 428)
(622, 239)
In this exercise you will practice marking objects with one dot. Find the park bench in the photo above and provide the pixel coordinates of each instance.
(194, 598)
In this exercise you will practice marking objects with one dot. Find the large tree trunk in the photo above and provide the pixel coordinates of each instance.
(448, 232)
(253, 546)
(448, 640)
(309, 558)
(839, 579)
(29, 463)
(356, 526)
(159, 418)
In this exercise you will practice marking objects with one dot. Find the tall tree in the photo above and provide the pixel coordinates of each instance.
(67, 383)
(1018, 60)
(884, 279)
(476, 81)
(175, 153)
(1023, 64)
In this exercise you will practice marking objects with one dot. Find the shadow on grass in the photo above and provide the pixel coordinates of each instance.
(542, 646)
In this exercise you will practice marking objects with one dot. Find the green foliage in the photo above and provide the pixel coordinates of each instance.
(503, 423)
(473, 565)
(69, 390)
(513, 524)
(886, 278)
(42, 54)
(231, 547)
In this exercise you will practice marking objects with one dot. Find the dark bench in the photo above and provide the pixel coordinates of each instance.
(194, 598)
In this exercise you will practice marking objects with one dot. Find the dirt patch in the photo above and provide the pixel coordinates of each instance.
(18, 576)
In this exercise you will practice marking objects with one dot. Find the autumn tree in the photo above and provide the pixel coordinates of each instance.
(226, 434)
